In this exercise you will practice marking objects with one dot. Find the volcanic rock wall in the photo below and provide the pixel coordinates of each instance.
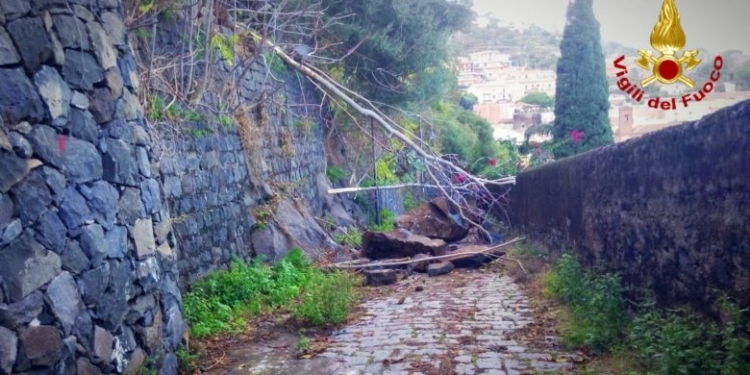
(89, 276)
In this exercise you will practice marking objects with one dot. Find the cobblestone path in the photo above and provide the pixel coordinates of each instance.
(464, 322)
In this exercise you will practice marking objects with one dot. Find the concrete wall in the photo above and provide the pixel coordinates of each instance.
(89, 278)
(670, 210)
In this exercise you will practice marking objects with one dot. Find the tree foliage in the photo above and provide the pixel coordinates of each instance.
(539, 98)
(531, 47)
(581, 99)
(463, 133)
(396, 51)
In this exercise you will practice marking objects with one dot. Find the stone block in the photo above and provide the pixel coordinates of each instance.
(25, 266)
(143, 235)
(31, 34)
(64, 299)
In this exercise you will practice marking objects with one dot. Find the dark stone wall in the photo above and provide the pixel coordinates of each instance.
(88, 273)
(669, 211)
(218, 178)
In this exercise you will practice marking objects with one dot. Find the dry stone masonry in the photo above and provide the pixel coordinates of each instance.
(222, 193)
(87, 257)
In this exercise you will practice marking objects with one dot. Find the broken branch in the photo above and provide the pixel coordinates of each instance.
(348, 265)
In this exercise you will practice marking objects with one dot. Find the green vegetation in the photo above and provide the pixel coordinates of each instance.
(148, 367)
(352, 238)
(531, 47)
(225, 45)
(387, 222)
(303, 344)
(305, 124)
(327, 298)
(335, 174)
(463, 133)
(539, 98)
(187, 361)
(595, 303)
(410, 202)
(659, 342)
(221, 302)
(385, 167)
(274, 62)
(159, 110)
(384, 33)
(225, 120)
(582, 96)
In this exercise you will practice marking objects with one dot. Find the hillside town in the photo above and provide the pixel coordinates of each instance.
(500, 85)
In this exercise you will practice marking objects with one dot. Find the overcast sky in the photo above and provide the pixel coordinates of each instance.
(716, 25)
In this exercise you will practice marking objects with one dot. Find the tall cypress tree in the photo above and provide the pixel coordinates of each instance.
(582, 93)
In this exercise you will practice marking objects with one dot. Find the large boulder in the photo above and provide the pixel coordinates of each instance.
(438, 218)
(466, 257)
(399, 244)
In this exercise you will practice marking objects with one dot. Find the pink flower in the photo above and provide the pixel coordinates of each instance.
(492, 161)
(458, 178)
(576, 135)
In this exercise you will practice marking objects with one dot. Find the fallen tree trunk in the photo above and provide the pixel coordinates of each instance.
(487, 251)
(506, 180)
(335, 89)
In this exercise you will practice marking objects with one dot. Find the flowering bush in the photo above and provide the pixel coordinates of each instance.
(576, 135)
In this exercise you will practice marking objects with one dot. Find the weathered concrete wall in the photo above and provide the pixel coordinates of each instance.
(89, 278)
(670, 210)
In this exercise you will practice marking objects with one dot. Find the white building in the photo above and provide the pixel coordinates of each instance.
(514, 84)
(489, 59)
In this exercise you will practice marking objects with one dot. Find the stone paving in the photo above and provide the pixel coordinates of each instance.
(460, 323)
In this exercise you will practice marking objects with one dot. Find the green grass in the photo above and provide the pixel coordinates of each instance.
(224, 299)
(335, 173)
(352, 238)
(659, 342)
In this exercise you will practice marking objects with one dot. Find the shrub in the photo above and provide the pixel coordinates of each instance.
(661, 342)
(387, 222)
(221, 301)
(595, 303)
(668, 343)
(326, 299)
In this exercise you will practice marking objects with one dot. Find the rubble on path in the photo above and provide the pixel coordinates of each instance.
(438, 219)
(437, 269)
(380, 277)
(399, 244)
